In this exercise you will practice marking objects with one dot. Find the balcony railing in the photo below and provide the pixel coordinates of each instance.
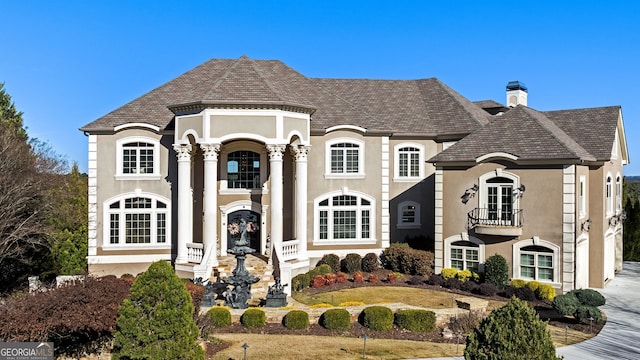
(495, 222)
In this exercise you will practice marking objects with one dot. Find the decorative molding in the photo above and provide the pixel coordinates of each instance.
(300, 152)
(183, 151)
(276, 151)
(210, 151)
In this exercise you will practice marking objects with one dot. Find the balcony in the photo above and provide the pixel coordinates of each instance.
(495, 222)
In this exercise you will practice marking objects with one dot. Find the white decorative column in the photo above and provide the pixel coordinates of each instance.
(276, 191)
(210, 152)
(185, 201)
(300, 153)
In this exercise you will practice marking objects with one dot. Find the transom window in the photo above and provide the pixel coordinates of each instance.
(344, 158)
(243, 170)
(137, 221)
(536, 263)
(345, 218)
(465, 256)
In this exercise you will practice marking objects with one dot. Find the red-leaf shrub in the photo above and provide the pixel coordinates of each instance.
(77, 318)
(330, 279)
(358, 277)
(373, 279)
(341, 277)
(391, 278)
(197, 293)
(318, 281)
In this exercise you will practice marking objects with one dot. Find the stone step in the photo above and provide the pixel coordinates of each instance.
(256, 265)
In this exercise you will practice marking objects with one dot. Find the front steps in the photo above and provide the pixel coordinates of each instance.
(257, 265)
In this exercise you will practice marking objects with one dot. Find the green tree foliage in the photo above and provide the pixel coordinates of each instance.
(10, 117)
(157, 321)
(496, 271)
(513, 331)
(631, 233)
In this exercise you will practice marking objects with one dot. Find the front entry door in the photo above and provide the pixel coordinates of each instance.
(244, 225)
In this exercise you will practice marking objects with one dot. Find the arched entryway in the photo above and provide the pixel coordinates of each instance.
(244, 224)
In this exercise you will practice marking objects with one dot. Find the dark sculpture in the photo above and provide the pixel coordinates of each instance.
(241, 280)
(276, 297)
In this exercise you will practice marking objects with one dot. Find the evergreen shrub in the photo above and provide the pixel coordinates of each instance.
(519, 283)
(219, 317)
(416, 320)
(351, 263)
(487, 289)
(533, 285)
(319, 270)
(566, 304)
(496, 271)
(586, 312)
(435, 280)
(336, 319)
(453, 284)
(416, 280)
(449, 273)
(300, 282)
(370, 262)
(157, 320)
(464, 275)
(296, 320)
(332, 260)
(469, 286)
(393, 255)
(379, 318)
(253, 318)
(589, 297)
(545, 292)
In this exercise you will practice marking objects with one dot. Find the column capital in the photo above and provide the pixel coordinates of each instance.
(210, 151)
(276, 151)
(300, 152)
(183, 151)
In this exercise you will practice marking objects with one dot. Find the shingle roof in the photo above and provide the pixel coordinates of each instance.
(426, 107)
(593, 128)
(523, 132)
(488, 104)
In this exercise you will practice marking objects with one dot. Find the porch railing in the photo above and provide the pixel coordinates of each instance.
(290, 249)
(195, 251)
(493, 217)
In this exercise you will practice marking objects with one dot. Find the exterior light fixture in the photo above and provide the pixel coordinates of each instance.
(469, 193)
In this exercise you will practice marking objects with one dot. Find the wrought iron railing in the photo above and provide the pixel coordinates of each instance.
(493, 217)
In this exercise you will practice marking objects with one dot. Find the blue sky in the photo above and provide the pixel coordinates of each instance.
(66, 63)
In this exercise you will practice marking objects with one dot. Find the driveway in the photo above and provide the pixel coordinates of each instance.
(619, 339)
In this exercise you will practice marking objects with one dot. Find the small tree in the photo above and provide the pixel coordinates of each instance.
(496, 271)
(157, 321)
(513, 331)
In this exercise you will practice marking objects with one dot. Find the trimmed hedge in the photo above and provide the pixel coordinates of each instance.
(416, 320)
(336, 319)
(496, 271)
(519, 283)
(370, 262)
(401, 258)
(379, 318)
(464, 275)
(585, 312)
(590, 297)
(320, 270)
(533, 285)
(219, 317)
(296, 320)
(351, 263)
(487, 289)
(253, 318)
(300, 282)
(332, 260)
(566, 304)
(449, 273)
(545, 292)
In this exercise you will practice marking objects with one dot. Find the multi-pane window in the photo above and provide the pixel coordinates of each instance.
(137, 220)
(618, 194)
(609, 195)
(408, 215)
(464, 255)
(137, 158)
(243, 170)
(583, 196)
(408, 162)
(345, 158)
(536, 262)
(345, 217)
(499, 201)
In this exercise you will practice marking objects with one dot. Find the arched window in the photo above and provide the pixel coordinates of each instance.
(345, 158)
(536, 259)
(137, 220)
(609, 195)
(408, 215)
(345, 217)
(243, 170)
(138, 157)
(618, 194)
(465, 256)
(498, 200)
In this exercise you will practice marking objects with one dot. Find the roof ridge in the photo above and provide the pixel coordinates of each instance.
(556, 131)
(266, 81)
(463, 104)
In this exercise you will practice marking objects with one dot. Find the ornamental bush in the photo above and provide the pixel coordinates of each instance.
(533, 285)
(416, 280)
(157, 320)
(358, 277)
(219, 317)
(566, 304)
(351, 263)
(448, 273)
(416, 320)
(464, 275)
(341, 277)
(300, 282)
(318, 281)
(589, 297)
(513, 331)
(519, 283)
(253, 318)
(392, 256)
(584, 314)
(496, 271)
(370, 262)
(296, 320)
(373, 279)
(435, 280)
(336, 319)
(452, 283)
(487, 289)
(545, 292)
(469, 286)
(319, 270)
(332, 260)
(522, 293)
(379, 318)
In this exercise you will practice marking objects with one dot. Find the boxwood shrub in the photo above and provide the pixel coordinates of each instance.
(545, 292)
(336, 319)
(566, 304)
(370, 262)
(332, 260)
(300, 282)
(253, 318)
(379, 318)
(351, 263)
(519, 283)
(416, 320)
(589, 297)
(585, 312)
(448, 273)
(219, 317)
(296, 319)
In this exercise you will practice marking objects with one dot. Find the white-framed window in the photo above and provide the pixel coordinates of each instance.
(464, 252)
(137, 220)
(618, 194)
(609, 195)
(344, 217)
(138, 157)
(582, 196)
(465, 255)
(409, 162)
(498, 199)
(536, 259)
(408, 215)
(243, 170)
(344, 158)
